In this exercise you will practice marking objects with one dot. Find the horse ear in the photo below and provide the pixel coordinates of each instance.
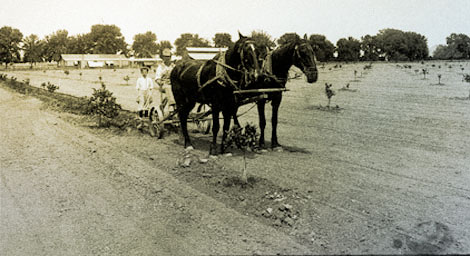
(305, 36)
(240, 35)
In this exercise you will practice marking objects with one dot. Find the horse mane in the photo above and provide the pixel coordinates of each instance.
(282, 59)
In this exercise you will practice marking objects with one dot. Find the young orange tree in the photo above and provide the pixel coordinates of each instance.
(103, 104)
(244, 139)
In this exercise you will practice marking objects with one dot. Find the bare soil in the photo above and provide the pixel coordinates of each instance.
(386, 172)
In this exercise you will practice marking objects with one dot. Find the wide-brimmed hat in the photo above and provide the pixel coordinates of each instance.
(144, 67)
(166, 52)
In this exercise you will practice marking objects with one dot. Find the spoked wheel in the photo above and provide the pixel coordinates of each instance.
(200, 118)
(155, 127)
(204, 126)
(155, 130)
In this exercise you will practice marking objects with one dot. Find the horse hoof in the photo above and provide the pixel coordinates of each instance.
(278, 149)
(213, 151)
(189, 148)
(228, 154)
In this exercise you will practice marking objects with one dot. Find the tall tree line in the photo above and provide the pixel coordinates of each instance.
(387, 44)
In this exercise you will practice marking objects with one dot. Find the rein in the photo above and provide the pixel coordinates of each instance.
(222, 74)
(227, 66)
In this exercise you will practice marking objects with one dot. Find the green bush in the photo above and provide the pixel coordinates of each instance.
(103, 104)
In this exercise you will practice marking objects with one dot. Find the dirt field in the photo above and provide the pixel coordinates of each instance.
(386, 172)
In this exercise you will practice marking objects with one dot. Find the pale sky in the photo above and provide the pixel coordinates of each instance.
(435, 19)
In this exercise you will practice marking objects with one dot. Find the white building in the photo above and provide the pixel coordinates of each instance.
(203, 53)
(93, 60)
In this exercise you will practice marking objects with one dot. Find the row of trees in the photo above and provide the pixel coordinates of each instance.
(457, 47)
(387, 44)
(101, 39)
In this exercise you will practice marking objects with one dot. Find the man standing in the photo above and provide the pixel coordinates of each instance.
(162, 78)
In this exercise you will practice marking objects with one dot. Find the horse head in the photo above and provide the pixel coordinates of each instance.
(246, 57)
(304, 58)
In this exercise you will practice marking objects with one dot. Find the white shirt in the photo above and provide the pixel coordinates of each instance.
(163, 71)
(144, 83)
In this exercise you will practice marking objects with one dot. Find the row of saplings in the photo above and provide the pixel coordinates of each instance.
(103, 104)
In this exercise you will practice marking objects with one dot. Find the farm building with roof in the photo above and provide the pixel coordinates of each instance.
(203, 53)
(93, 60)
(107, 60)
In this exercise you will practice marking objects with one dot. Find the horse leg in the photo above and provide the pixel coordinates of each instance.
(215, 131)
(235, 118)
(227, 119)
(262, 122)
(275, 105)
(183, 116)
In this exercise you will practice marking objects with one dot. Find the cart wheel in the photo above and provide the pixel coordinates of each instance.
(204, 126)
(152, 129)
(156, 130)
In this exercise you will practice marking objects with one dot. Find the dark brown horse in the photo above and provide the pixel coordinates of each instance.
(298, 53)
(212, 82)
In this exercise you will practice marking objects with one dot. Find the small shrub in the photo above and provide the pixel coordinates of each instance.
(51, 87)
(3, 77)
(329, 93)
(439, 78)
(127, 78)
(244, 139)
(425, 71)
(80, 75)
(67, 72)
(466, 78)
(103, 104)
(26, 81)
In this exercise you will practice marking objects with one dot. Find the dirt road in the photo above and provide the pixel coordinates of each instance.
(65, 191)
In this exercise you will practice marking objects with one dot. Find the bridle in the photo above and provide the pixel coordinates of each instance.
(246, 71)
(305, 68)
